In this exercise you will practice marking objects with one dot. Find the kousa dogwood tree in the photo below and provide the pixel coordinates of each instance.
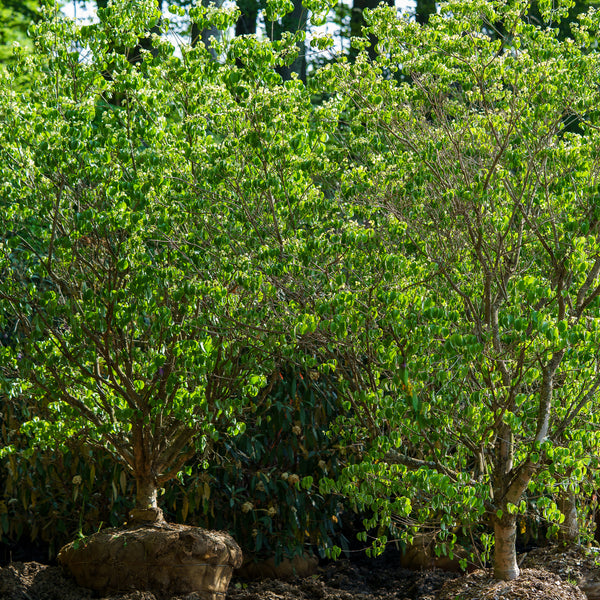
(473, 142)
(150, 247)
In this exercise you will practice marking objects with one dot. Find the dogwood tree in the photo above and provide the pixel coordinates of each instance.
(477, 155)
(150, 248)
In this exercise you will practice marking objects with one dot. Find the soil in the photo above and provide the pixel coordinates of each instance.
(361, 579)
(577, 564)
(532, 584)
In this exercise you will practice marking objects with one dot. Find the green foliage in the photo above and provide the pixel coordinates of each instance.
(457, 143)
(15, 19)
(176, 228)
(261, 485)
(155, 248)
(258, 484)
(170, 238)
(48, 496)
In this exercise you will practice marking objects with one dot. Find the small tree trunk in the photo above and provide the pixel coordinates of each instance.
(292, 22)
(569, 528)
(246, 23)
(146, 493)
(424, 9)
(505, 551)
(146, 505)
(204, 35)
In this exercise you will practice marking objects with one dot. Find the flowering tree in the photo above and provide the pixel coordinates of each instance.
(476, 155)
(150, 248)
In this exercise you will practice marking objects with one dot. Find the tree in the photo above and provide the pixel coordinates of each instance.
(247, 21)
(485, 355)
(565, 22)
(150, 251)
(292, 21)
(358, 23)
(423, 8)
(16, 17)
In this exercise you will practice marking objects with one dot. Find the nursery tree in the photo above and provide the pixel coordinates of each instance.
(486, 355)
(148, 250)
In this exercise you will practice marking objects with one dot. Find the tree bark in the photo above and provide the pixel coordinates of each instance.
(569, 528)
(204, 35)
(146, 502)
(292, 22)
(505, 552)
(146, 493)
(246, 23)
(357, 22)
(424, 9)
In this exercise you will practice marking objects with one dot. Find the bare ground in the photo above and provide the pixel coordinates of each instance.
(341, 580)
(379, 579)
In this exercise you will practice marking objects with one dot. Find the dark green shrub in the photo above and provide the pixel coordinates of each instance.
(261, 485)
(50, 495)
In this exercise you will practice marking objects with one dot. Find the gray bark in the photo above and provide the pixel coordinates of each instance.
(505, 552)
(569, 528)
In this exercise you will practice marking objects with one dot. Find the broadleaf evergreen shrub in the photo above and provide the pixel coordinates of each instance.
(261, 485)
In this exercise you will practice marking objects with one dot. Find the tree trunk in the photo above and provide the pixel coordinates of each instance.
(505, 551)
(292, 22)
(246, 23)
(357, 22)
(146, 493)
(569, 528)
(146, 502)
(204, 35)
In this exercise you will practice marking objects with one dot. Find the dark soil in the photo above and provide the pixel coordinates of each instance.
(361, 579)
(378, 579)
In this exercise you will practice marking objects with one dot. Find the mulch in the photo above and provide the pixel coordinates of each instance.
(551, 574)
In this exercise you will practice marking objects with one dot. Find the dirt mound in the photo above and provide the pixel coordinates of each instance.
(377, 579)
(532, 584)
(34, 581)
(298, 566)
(573, 563)
(360, 579)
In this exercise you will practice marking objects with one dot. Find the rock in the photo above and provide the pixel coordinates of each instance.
(590, 587)
(165, 559)
(298, 566)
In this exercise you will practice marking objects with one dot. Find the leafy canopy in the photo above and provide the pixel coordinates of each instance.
(477, 157)
(160, 219)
